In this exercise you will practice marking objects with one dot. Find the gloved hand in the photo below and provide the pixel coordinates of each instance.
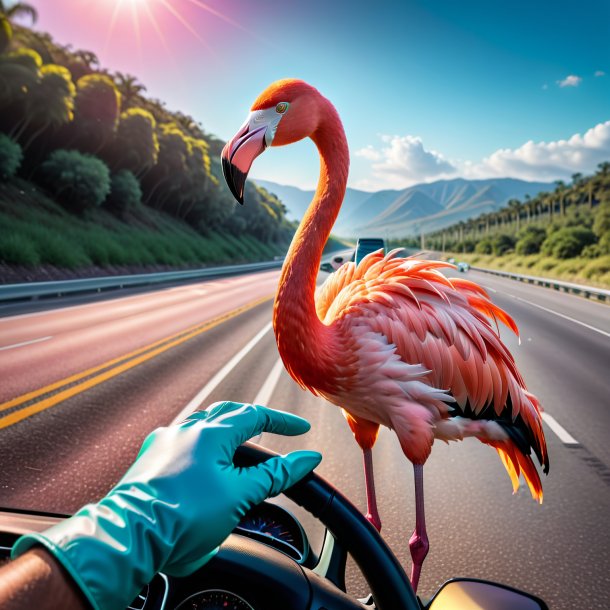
(175, 505)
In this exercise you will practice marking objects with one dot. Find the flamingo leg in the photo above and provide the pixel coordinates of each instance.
(372, 514)
(418, 543)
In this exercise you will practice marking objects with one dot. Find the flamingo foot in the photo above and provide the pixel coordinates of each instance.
(419, 547)
(372, 514)
(373, 518)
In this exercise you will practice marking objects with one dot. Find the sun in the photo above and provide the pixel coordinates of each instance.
(152, 13)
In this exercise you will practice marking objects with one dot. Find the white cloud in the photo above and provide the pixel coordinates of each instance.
(599, 73)
(547, 160)
(545, 86)
(369, 153)
(402, 161)
(570, 81)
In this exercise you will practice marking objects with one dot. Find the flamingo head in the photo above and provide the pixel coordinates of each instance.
(286, 112)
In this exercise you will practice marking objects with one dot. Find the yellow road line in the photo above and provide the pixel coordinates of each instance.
(62, 382)
(12, 418)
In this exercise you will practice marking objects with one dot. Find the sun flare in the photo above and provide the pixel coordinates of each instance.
(152, 15)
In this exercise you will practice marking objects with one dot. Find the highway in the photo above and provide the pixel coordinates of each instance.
(82, 386)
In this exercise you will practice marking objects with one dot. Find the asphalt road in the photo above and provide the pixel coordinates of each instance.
(79, 436)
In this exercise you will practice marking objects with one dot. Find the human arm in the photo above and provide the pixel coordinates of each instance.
(37, 580)
(177, 503)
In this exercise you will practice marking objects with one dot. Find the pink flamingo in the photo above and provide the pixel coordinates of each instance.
(392, 341)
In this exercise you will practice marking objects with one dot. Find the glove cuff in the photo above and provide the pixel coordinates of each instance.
(25, 543)
(110, 549)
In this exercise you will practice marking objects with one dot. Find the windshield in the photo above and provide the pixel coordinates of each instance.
(135, 289)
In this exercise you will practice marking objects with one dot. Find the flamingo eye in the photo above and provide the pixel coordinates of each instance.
(281, 107)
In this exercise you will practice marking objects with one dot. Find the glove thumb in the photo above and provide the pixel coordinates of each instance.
(279, 473)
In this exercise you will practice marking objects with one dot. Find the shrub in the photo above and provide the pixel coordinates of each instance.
(567, 242)
(17, 249)
(79, 181)
(485, 246)
(604, 243)
(125, 191)
(601, 225)
(597, 268)
(10, 157)
(468, 245)
(529, 240)
(591, 251)
(502, 243)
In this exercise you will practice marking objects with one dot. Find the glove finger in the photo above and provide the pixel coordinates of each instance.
(195, 416)
(255, 419)
(223, 407)
(278, 474)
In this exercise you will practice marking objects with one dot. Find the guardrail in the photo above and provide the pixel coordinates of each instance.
(586, 291)
(35, 290)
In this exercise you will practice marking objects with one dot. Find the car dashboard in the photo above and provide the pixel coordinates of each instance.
(267, 524)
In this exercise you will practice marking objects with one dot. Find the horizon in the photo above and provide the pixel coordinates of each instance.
(522, 104)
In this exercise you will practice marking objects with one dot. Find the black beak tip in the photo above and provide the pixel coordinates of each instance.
(234, 178)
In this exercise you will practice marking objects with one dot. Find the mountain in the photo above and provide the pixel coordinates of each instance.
(423, 207)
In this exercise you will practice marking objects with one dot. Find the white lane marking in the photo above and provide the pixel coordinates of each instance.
(564, 436)
(264, 394)
(211, 385)
(25, 343)
(561, 315)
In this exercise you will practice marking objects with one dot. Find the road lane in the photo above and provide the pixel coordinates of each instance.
(63, 457)
(584, 310)
(87, 338)
(564, 364)
(60, 459)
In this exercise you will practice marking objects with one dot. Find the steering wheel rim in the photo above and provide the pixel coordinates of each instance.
(389, 584)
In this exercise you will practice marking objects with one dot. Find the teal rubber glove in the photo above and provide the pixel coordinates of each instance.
(176, 504)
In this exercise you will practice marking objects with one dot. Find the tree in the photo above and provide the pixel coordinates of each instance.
(96, 112)
(129, 88)
(164, 178)
(19, 74)
(50, 103)
(136, 146)
(78, 181)
(6, 33)
(17, 10)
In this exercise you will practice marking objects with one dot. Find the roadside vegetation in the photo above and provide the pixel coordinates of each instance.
(563, 234)
(95, 173)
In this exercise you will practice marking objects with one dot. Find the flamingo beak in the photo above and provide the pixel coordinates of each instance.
(255, 135)
(238, 155)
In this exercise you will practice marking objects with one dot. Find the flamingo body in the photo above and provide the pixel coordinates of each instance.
(430, 363)
(392, 341)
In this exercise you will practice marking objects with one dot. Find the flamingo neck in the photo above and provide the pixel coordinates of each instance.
(304, 342)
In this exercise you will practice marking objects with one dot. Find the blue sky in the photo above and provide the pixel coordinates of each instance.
(426, 88)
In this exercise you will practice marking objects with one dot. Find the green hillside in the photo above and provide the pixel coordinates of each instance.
(94, 174)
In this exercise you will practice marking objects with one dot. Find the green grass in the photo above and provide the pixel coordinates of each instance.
(595, 271)
(35, 231)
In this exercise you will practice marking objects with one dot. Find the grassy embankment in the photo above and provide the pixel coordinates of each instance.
(593, 272)
(40, 238)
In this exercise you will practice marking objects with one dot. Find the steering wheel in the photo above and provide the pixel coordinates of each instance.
(279, 582)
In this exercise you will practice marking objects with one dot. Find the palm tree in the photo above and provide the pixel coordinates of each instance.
(17, 10)
(560, 191)
(129, 87)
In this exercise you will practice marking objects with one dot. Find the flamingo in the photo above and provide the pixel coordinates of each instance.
(390, 340)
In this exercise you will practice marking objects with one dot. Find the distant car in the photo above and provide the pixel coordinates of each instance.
(463, 267)
(451, 260)
(366, 245)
